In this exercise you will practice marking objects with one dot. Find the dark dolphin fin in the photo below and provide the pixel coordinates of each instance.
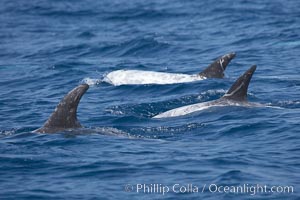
(65, 114)
(217, 68)
(238, 91)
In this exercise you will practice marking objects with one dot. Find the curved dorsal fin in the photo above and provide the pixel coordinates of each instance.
(238, 91)
(217, 68)
(65, 113)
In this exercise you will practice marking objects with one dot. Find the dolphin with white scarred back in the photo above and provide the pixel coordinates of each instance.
(136, 77)
(236, 96)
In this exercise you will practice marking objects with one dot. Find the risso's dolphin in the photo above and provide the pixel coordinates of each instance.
(65, 114)
(136, 77)
(236, 96)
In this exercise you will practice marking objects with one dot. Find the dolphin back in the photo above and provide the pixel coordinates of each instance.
(217, 68)
(238, 91)
(65, 114)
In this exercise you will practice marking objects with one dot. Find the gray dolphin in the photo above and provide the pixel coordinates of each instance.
(65, 114)
(236, 96)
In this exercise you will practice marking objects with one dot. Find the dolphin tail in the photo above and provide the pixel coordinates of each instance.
(65, 114)
(217, 68)
(238, 91)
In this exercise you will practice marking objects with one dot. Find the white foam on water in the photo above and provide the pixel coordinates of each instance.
(91, 81)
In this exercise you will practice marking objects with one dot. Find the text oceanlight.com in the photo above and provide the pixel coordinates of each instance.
(250, 189)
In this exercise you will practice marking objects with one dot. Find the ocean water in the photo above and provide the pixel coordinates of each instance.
(49, 47)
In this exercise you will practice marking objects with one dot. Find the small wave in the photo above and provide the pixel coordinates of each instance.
(111, 131)
(285, 104)
(163, 132)
(233, 176)
(86, 34)
(4, 133)
(91, 81)
(142, 46)
(177, 129)
(288, 44)
(141, 13)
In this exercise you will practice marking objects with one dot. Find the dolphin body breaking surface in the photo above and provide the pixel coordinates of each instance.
(65, 114)
(137, 77)
(236, 96)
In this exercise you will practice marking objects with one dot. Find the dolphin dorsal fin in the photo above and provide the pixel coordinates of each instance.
(217, 68)
(238, 91)
(65, 113)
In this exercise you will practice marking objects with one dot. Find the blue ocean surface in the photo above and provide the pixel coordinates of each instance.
(49, 47)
